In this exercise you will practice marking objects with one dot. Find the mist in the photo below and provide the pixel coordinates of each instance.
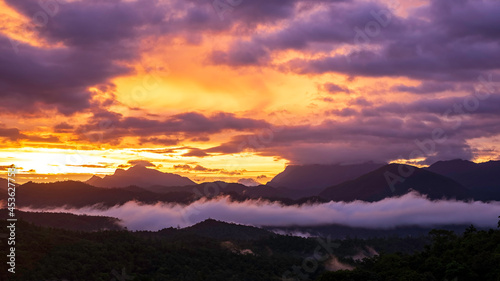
(410, 209)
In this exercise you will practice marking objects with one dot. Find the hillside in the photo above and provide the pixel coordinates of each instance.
(79, 194)
(4, 184)
(482, 179)
(67, 221)
(374, 185)
(222, 230)
(310, 179)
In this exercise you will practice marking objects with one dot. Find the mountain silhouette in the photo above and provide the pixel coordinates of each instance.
(375, 185)
(482, 179)
(78, 194)
(141, 176)
(223, 230)
(4, 184)
(309, 180)
(67, 221)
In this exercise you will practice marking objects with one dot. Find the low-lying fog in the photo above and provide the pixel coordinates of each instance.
(410, 209)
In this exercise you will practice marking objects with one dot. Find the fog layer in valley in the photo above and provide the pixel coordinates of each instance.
(410, 209)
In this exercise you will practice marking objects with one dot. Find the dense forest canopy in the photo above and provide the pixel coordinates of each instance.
(206, 252)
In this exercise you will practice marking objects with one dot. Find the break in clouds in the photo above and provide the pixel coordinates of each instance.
(410, 209)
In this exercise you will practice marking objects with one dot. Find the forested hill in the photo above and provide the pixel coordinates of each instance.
(67, 221)
(56, 254)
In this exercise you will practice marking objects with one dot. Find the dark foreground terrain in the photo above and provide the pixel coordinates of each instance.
(213, 250)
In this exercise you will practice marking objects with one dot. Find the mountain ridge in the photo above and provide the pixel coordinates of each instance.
(140, 176)
(315, 177)
(374, 186)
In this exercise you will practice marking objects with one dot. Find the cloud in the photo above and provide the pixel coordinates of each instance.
(344, 112)
(458, 45)
(12, 134)
(195, 152)
(442, 46)
(111, 127)
(439, 41)
(410, 209)
(96, 23)
(248, 182)
(425, 88)
(377, 138)
(89, 41)
(59, 78)
(310, 29)
(334, 88)
(140, 162)
(166, 141)
(7, 167)
(63, 128)
(199, 168)
(101, 165)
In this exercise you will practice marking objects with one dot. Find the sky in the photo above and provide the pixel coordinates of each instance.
(238, 89)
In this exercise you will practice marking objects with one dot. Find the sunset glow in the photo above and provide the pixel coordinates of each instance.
(245, 93)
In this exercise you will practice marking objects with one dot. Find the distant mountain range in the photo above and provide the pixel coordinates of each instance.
(482, 179)
(66, 220)
(4, 184)
(139, 175)
(455, 179)
(308, 180)
(376, 185)
(78, 194)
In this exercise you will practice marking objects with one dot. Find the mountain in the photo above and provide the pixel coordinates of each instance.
(211, 228)
(338, 231)
(4, 184)
(141, 176)
(211, 189)
(67, 221)
(483, 179)
(311, 179)
(78, 194)
(374, 186)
